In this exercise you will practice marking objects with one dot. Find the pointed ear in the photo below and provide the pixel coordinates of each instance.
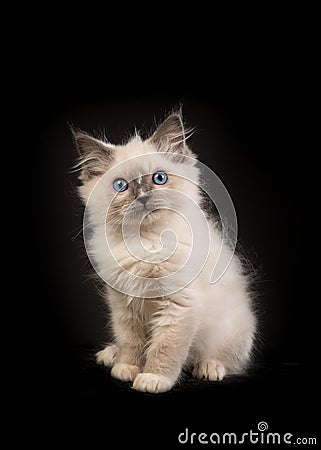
(94, 155)
(170, 137)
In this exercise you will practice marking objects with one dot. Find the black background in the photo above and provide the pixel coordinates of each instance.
(250, 112)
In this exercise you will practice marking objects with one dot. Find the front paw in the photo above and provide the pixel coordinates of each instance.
(124, 372)
(107, 356)
(149, 382)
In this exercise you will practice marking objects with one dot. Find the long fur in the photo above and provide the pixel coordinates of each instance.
(208, 326)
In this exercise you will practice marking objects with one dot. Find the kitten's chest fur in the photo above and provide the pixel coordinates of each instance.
(154, 253)
(144, 311)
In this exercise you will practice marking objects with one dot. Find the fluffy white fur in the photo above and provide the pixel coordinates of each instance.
(210, 327)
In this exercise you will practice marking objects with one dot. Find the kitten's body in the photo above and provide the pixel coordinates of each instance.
(209, 326)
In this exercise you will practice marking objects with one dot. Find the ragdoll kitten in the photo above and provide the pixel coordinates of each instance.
(160, 322)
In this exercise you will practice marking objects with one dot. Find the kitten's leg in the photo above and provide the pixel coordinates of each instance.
(223, 351)
(171, 339)
(107, 356)
(129, 337)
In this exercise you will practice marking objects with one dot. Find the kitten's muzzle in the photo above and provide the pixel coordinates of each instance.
(143, 199)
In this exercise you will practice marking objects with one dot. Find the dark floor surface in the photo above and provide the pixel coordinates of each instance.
(71, 399)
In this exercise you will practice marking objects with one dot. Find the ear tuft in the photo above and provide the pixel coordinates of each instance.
(170, 137)
(94, 155)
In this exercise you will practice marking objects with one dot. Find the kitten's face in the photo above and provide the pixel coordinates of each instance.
(141, 181)
(152, 183)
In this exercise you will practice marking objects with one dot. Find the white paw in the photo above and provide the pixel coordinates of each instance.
(124, 372)
(209, 369)
(148, 382)
(107, 356)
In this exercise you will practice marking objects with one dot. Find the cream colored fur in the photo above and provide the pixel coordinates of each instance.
(210, 327)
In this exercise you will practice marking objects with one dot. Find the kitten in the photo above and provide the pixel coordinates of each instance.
(162, 318)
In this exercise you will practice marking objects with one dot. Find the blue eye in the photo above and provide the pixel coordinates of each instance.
(160, 177)
(120, 185)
